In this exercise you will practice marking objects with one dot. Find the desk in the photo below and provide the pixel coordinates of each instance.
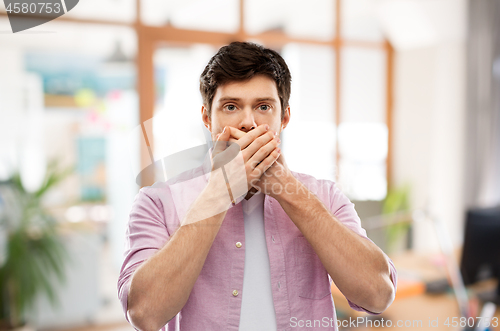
(414, 307)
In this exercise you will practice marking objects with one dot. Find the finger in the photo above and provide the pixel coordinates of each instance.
(267, 162)
(237, 134)
(250, 136)
(259, 148)
(264, 151)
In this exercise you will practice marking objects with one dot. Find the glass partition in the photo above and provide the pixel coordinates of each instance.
(311, 133)
(303, 19)
(360, 20)
(106, 10)
(205, 15)
(177, 124)
(363, 132)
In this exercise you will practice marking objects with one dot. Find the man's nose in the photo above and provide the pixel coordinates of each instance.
(247, 121)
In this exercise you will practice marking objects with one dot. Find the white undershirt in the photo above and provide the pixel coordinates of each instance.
(257, 307)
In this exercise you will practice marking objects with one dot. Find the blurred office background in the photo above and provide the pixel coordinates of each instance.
(395, 100)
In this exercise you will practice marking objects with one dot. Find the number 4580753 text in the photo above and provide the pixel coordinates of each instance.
(33, 8)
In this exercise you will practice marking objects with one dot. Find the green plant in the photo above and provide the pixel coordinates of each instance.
(396, 201)
(34, 250)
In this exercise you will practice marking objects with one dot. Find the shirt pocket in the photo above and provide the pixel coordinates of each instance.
(312, 278)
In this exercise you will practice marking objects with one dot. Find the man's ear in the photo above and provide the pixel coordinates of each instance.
(206, 118)
(286, 118)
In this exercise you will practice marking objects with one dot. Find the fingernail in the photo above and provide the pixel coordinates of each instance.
(267, 127)
(276, 133)
(278, 150)
(279, 140)
(225, 128)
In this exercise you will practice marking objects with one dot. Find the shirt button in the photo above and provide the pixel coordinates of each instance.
(238, 244)
(235, 293)
(272, 238)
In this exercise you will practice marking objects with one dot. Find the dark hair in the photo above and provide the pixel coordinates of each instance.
(240, 61)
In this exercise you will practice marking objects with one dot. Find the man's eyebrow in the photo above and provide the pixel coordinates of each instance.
(270, 99)
(228, 99)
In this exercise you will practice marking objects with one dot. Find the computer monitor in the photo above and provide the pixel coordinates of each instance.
(481, 250)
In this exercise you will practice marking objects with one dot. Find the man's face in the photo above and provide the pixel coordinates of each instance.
(245, 105)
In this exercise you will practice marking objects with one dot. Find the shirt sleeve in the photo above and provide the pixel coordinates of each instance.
(343, 209)
(146, 234)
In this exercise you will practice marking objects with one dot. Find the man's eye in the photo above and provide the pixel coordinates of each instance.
(264, 107)
(231, 107)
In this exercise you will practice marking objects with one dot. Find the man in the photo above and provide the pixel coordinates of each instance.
(205, 254)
